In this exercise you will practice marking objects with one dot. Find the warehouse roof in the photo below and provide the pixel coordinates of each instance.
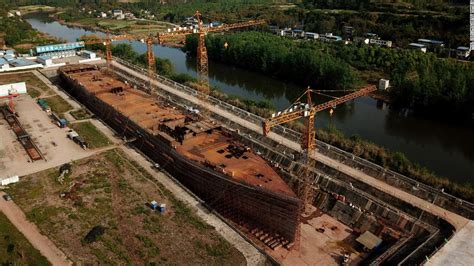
(22, 62)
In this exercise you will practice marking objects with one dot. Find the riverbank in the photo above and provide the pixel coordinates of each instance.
(125, 26)
(20, 35)
(431, 87)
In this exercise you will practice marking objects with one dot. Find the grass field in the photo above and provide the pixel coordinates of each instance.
(110, 191)
(15, 249)
(91, 134)
(58, 104)
(81, 114)
(34, 86)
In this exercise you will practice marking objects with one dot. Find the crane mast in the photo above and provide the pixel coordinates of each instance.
(201, 31)
(306, 110)
(202, 57)
(300, 109)
(149, 40)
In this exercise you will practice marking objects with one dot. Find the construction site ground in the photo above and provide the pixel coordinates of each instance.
(51, 140)
(323, 241)
(110, 190)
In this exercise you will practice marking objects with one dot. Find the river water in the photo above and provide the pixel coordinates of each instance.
(446, 149)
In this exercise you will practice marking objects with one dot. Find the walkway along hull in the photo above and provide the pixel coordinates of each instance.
(253, 206)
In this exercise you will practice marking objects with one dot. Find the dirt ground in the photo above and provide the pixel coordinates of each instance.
(51, 140)
(109, 190)
(324, 240)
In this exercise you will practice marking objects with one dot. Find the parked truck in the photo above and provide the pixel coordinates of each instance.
(77, 139)
(61, 122)
(44, 105)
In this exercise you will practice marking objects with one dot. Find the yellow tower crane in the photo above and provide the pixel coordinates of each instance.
(201, 30)
(307, 110)
(107, 41)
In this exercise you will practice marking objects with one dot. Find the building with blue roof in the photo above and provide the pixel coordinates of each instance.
(21, 63)
(59, 50)
(4, 64)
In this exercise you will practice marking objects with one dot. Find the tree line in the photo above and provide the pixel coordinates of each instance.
(281, 58)
(422, 82)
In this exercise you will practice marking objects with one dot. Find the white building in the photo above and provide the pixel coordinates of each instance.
(117, 12)
(9, 180)
(463, 52)
(311, 35)
(472, 25)
(379, 42)
(329, 37)
(384, 84)
(286, 33)
(45, 60)
(4, 66)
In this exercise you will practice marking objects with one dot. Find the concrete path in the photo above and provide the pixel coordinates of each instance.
(456, 220)
(48, 83)
(458, 251)
(32, 233)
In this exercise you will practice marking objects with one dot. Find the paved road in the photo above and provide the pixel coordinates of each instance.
(456, 220)
(32, 233)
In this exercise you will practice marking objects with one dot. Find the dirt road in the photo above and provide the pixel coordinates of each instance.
(45, 246)
(456, 220)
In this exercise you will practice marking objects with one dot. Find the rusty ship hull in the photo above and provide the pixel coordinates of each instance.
(203, 156)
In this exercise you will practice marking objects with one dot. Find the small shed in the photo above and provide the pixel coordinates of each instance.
(88, 54)
(9, 180)
(45, 60)
(463, 52)
(369, 240)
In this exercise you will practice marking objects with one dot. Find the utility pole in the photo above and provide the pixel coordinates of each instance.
(472, 25)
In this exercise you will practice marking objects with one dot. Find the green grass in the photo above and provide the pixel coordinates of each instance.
(81, 114)
(34, 85)
(15, 248)
(91, 134)
(58, 104)
(33, 93)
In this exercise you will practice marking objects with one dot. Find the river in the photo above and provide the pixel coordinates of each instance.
(445, 149)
